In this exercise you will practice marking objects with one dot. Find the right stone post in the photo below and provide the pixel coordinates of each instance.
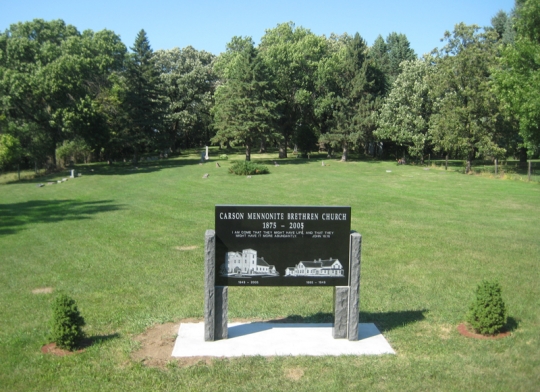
(355, 250)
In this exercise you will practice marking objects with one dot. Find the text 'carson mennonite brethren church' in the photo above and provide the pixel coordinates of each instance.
(282, 216)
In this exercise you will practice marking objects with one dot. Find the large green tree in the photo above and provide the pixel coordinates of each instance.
(189, 82)
(50, 75)
(518, 78)
(293, 54)
(245, 104)
(351, 88)
(404, 116)
(466, 111)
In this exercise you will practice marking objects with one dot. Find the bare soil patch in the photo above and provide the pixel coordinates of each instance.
(51, 348)
(157, 343)
(186, 247)
(294, 374)
(465, 331)
(42, 290)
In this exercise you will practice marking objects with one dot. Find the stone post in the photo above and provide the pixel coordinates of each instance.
(222, 312)
(341, 310)
(355, 248)
(209, 288)
(215, 297)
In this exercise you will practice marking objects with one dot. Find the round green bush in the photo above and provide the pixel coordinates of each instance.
(66, 323)
(487, 313)
(248, 168)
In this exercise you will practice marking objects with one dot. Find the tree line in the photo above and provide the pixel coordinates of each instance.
(70, 95)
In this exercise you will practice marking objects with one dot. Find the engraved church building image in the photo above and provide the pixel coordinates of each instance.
(246, 263)
(321, 268)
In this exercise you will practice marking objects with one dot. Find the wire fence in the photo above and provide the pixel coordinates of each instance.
(516, 170)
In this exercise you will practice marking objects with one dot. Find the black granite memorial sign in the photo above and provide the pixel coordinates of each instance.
(282, 245)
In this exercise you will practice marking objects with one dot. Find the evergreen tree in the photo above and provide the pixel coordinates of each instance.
(378, 54)
(144, 101)
(499, 23)
(398, 50)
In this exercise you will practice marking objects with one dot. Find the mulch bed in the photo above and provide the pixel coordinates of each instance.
(462, 329)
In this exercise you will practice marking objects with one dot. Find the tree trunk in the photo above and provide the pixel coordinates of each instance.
(345, 152)
(469, 161)
(446, 163)
(248, 152)
(283, 149)
(54, 154)
(135, 158)
(19, 171)
(186, 140)
(523, 157)
(263, 145)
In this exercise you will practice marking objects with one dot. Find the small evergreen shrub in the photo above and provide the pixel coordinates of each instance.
(487, 313)
(224, 157)
(247, 168)
(66, 323)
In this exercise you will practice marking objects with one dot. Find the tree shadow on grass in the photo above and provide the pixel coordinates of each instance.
(117, 168)
(97, 339)
(15, 216)
(121, 168)
(511, 324)
(385, 321)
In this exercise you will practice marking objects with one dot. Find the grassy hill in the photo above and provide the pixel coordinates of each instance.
(127, 244)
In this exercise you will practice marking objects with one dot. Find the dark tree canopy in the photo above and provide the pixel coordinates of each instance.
(63, 92)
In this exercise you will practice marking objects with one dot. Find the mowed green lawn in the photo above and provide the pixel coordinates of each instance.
(128, 246)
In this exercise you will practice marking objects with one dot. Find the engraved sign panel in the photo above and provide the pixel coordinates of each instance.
(282, 245)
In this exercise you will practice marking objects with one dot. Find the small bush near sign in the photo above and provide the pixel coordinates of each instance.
(487, 313)
(247, 168)
(66, 324)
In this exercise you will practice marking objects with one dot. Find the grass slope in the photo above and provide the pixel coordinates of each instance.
(120, 241)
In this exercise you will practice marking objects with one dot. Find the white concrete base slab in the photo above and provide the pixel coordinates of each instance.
(274, 339)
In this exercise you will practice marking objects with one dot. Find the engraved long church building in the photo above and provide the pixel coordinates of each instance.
(317, 268)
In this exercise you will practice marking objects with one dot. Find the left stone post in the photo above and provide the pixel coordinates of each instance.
(215, 298)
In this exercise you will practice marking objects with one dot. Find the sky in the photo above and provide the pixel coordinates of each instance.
(209, 25)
